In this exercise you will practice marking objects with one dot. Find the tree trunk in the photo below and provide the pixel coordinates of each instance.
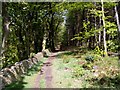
(104, 30)
(5, 25)
(51, 28)
(78, 27)
(95, 17)
(96, 43)
(0, 26)
(118, 24)
(99, 42)
(44, 42)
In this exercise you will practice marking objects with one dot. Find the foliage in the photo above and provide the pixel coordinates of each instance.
(78, 71)
(89, 58)
(98, 51)
(66, 24)
(110, 44)
(91, 27)
(11, 56)
(29, 22)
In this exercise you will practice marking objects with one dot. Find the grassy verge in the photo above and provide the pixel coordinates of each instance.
(86, 69)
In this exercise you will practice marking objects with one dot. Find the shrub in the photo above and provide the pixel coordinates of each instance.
(89, 58)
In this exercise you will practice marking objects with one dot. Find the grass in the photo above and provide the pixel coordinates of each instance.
(102, 72)
(42, 83)
(72, 70)
(63, 76)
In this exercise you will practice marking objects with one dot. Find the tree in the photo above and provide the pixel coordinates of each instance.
(104, 30)
(29, 24)
(5, 24)
(34, 27)
(118, 24)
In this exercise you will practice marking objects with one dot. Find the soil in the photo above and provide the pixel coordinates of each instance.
(46, 71)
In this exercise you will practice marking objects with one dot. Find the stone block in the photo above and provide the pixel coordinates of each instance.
(19, 68)
(4, 81)
(25, 64)
(9, 74)
(30, 63)
(16, 71)
(39, 55)
(34, 60)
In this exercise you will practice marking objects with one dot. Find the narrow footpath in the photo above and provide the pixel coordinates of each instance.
(46, 72)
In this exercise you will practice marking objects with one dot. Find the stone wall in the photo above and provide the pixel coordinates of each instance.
(14, 72)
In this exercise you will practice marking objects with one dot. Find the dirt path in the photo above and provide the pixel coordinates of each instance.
(52, 73)
(46, 71)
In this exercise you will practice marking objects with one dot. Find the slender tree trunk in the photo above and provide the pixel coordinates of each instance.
(5, 25)
(99, 42)
(51, 28)
(1, 27)
(95, 33)
(78, 27)
(91, 39)
(118, 24)
(52, 47)
(44, 42)
(90, 42)
(104, 30)
(35, 34)
(96, 43)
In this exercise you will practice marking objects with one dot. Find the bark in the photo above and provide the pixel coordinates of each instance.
(96, 43)
(51, 29)
(20, 46)
(78, 28)
(90, 43)
(44, 42)
(5, 26)
(35, 35)
(0, 25)
(91, 39)
(118, 24)
(99, 42)
(95, 33)
(104, 30)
